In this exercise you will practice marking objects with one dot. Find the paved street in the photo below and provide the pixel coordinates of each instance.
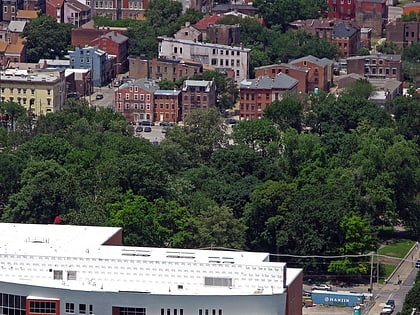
(406, 272)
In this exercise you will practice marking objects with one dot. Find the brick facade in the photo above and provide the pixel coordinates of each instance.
(372, 14)
(377, 66)
(257, 94)
(341, 9)
(197, 95)
(163, 68)
(300, 74)
(167, 106)
(403, 33)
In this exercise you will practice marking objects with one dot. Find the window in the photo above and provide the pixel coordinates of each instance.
(127, 105)
(148, 97)
(42, 307)
(58, 274)
(127, 96)
(394, 70)
(48, 92)
(71, 275)
(136, 97)
(213, 61)
(141, 97)
(90, 309)
(5, 9)
(82, 308)
(175, 50)
(70, 308)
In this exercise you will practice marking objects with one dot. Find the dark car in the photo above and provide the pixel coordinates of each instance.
(139, 129)
(165, 124)
(99, 96)
(147, 129)
(164, 130)
(418, 263)
(231, 121)
(146, 123)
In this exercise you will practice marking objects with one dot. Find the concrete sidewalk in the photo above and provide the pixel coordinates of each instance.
(395, 281)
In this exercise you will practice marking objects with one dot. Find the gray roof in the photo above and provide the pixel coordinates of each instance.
(16, 26)
(115, 37)
(281, 81)
(381, 56)
(143, 83)
(286, 65)
(343, 30)
(167, 92)
(414, 4)
(321, 62)
(233, 7)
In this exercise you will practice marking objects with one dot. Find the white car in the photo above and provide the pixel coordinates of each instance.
(321, 287)
(387, 309)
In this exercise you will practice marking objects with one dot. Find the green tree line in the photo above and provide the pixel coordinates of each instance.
(265, 185)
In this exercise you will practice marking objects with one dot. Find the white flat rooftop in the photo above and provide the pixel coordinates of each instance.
(74, 257)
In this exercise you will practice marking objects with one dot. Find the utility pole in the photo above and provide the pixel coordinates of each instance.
(371, 272)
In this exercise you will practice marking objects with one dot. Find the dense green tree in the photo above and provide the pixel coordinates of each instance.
(11, 168)
(46, 38)
(388, 48)
(162, 14)
(287, 113)
(217, 227)
(139, 219)
(265, 214)
(358, 239)
(203, 133)
(258, 134)
(406, 113)
(46, 191)
(142, 39)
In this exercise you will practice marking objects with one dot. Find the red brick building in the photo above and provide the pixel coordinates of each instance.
(411, 7)
(320, 72)
(257, 94)
(372, 14)
(344, 33)
(114, 44)
(403, 33)
(167, 106)
(341, 9)
(83, 36)
(120, 9)
(163, 68)
(298, 73)
(135, 100)
(377, 66)
(197, 95)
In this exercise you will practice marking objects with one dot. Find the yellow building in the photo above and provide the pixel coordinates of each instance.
(40, 91)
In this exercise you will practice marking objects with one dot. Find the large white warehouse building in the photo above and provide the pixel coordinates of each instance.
(80, 270)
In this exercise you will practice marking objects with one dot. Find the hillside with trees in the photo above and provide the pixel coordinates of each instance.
(266, 186)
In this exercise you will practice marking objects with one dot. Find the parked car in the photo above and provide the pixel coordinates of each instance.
(321, 286)
(387, 309)
(99, 96)
(164, 130)
(139, 129)
(391, 303)
(147, 129)
(165, 124)
(418, 263)
(147, 123)
(231, 121)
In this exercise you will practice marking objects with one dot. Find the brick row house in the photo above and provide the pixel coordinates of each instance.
(298, 73)
(366, 13)
(345, 34)
(376, 66)
(142, 99)
(197, 95)
(257, 94)
(12, 48)
(320, 72)
(111, 41)
(163, 68)
(403, 33)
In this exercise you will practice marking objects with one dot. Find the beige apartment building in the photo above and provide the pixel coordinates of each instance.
(40, 91)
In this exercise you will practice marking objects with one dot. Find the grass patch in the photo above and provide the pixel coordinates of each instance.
(398, 249)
